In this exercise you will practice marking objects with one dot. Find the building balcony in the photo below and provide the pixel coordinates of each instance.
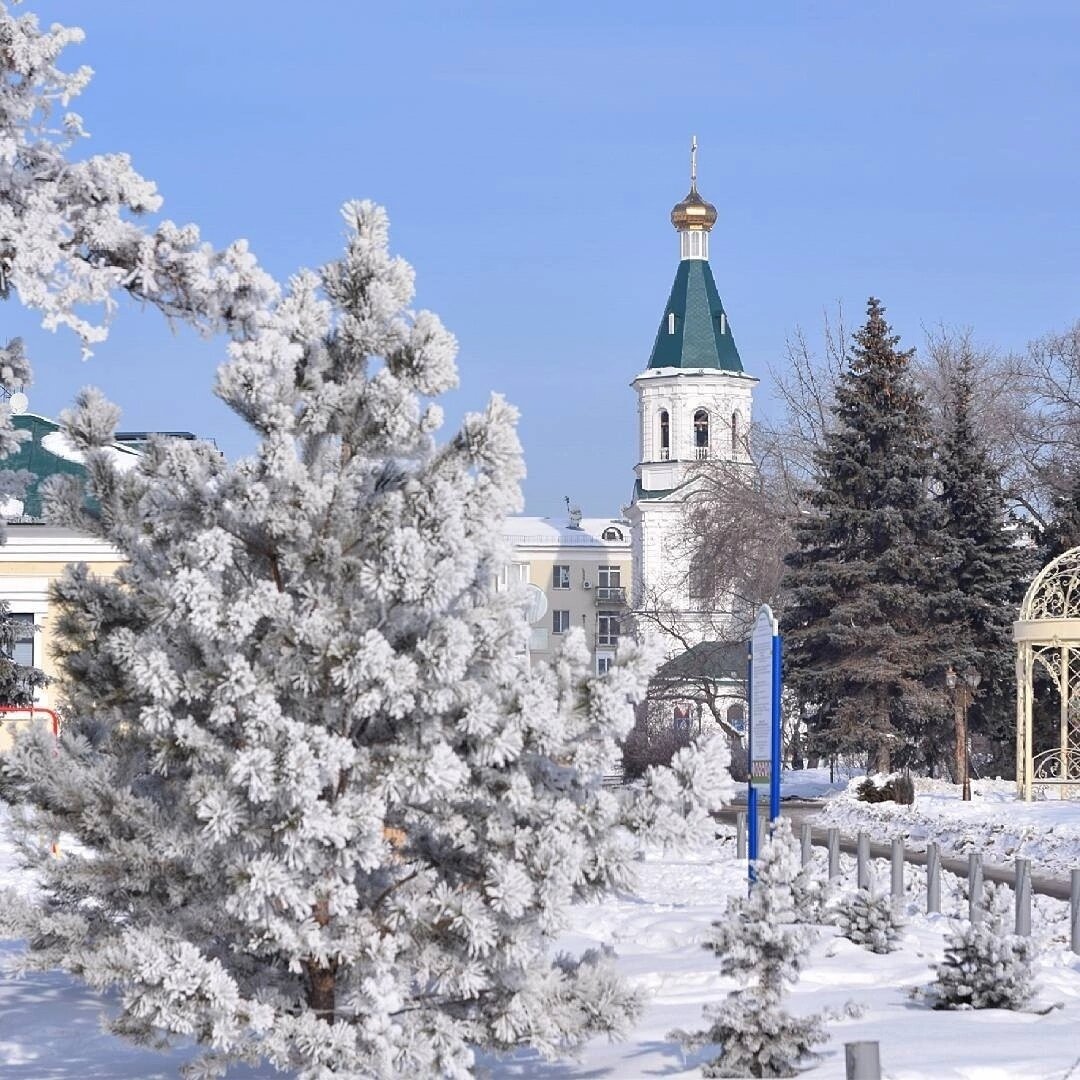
(609, 594)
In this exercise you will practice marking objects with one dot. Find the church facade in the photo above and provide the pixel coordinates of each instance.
(637, 573)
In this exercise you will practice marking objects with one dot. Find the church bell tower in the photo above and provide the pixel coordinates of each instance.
(694, 406)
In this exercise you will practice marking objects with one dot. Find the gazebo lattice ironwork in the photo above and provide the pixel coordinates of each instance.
(1048, 633)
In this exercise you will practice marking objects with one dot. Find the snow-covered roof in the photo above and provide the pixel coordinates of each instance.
(553, 532)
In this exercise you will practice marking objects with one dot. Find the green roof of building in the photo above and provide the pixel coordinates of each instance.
(36, 460)
(708, 659)
(42, 461)
(701, 336)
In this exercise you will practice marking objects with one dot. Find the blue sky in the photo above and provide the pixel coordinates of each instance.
(529, 154)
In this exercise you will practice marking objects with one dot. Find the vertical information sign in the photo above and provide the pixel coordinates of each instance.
(764, 750)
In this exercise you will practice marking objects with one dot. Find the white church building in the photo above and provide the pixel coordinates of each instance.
(694, 405)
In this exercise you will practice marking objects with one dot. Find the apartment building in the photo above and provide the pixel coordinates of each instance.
(582, 567)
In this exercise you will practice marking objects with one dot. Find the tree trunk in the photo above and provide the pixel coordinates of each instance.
(322, 986)
(883, 759)
(322, 978)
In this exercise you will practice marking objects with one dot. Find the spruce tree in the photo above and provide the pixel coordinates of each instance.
(856, 625)
(984, 571)
(322, 813)
(764, 941)
(1062, 530)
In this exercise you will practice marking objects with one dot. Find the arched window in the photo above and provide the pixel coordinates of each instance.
(700, 581)
(611, 534)
(701, 434)
(734, 433)
(736, 717)
(665, 436)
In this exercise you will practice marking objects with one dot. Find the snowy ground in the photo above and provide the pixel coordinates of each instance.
(656, 934)
(49, 1028)
(994, 822)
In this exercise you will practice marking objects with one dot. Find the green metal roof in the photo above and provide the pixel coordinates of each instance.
(41, 462)
(707, 659)
(657, 493)
(701, 339)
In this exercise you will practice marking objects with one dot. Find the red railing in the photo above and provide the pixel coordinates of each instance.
(31, 710)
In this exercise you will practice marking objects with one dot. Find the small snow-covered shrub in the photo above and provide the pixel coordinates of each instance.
(871, 920)
(985, 967)
(759, 1038)
(899, 789)
(763, 940)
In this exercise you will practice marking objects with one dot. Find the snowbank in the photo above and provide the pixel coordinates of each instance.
(994, 822)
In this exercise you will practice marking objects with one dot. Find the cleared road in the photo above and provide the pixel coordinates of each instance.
(800, 810)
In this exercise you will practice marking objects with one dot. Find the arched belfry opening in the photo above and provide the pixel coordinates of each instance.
(701, 433)
(1047, 637)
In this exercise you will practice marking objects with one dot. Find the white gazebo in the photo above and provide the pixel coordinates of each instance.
(1048, 632)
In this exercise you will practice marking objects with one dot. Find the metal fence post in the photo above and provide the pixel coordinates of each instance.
(897, 869)
(1022, 892)
(933, 879)
(862, 856)
(806, 836)
(740, 835)
(834, 854)
(1074, 910)
(862, 1061)
(975, 887)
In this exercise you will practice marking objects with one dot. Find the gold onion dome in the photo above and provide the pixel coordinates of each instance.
(693, 212)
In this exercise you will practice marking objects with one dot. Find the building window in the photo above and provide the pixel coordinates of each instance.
(20, 648)
(701, 434)
(560, 622)
(607, 628)
(699, 580)
(612, 534)
(665, 436)
(736, 717)
(734, 432)
(560, 577)
(671, 322)
(603, 664)
(721, 323)
(682, 718)
(608, 577)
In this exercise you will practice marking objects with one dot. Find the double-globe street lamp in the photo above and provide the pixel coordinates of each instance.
(963, 687)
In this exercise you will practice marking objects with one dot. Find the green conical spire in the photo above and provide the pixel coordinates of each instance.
(695, 331)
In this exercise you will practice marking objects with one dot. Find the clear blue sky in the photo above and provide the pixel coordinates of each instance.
(529, 154)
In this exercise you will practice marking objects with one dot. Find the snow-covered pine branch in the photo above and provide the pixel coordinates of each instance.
(323, 814)
(70, 238)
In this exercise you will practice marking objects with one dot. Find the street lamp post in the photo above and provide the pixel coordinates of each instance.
(963, 689)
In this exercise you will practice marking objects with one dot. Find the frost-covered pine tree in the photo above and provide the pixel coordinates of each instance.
(762, 941)
(870, 919)
(985, 966)
(322, 813)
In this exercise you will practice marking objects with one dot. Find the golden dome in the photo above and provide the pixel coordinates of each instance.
(693, 212)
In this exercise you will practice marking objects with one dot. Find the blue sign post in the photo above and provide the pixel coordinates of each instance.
(764, 749)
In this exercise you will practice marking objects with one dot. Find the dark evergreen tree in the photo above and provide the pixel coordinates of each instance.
(1062, 530)
(984, 573)
(857, 633)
